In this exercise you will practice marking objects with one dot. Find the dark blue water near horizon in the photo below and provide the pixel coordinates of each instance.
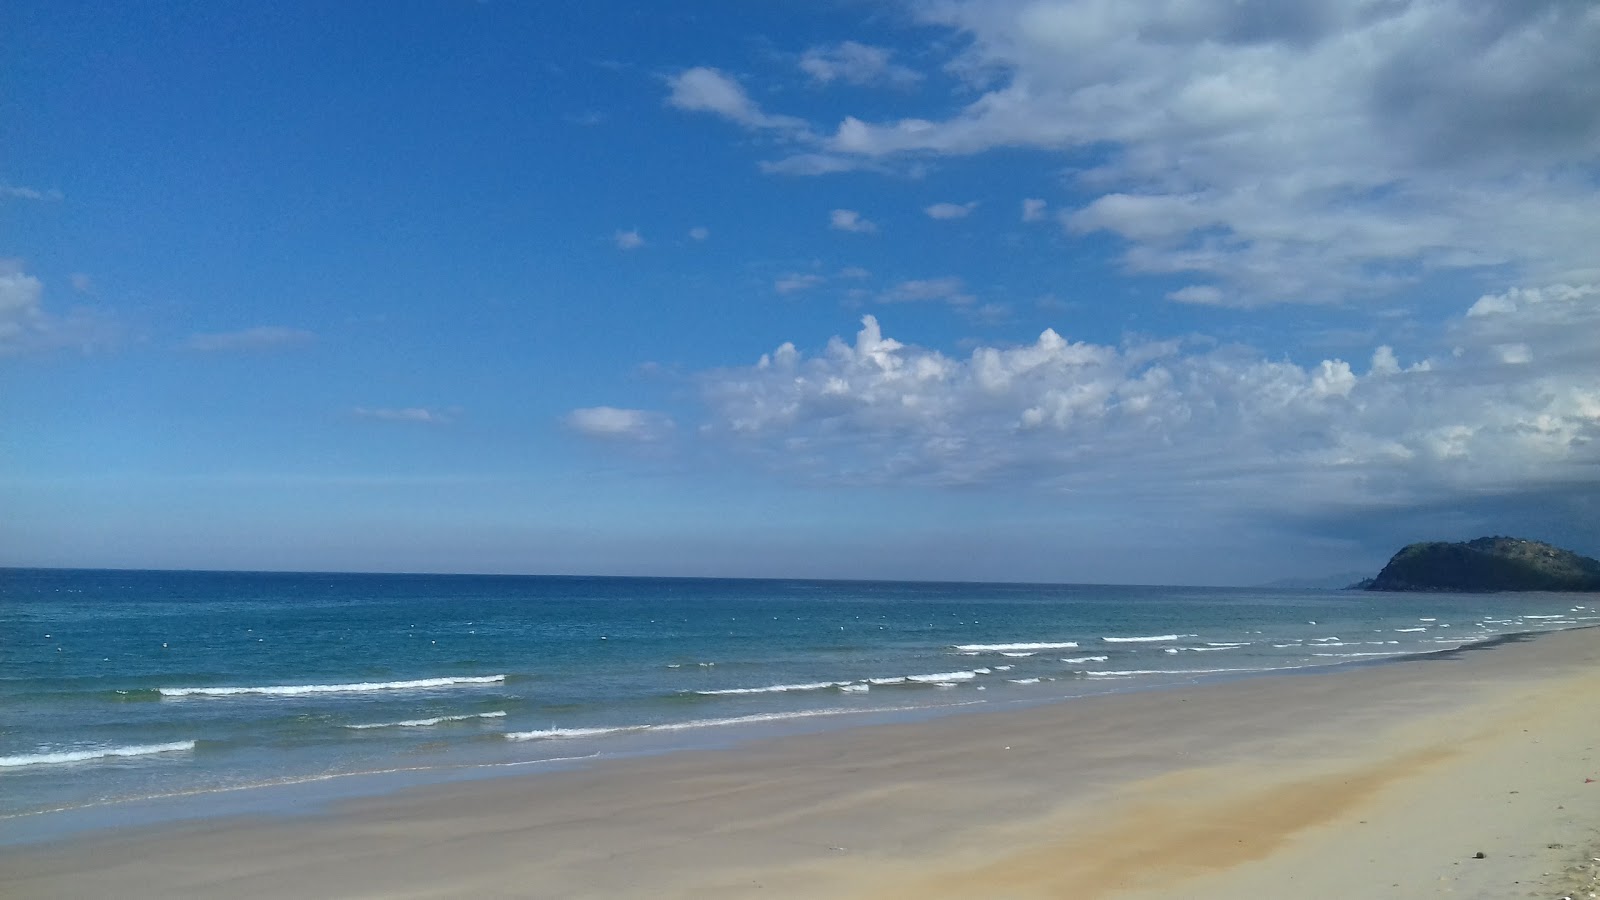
(122, 685)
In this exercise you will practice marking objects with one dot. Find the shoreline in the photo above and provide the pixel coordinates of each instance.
(998, 804)
(315, 794)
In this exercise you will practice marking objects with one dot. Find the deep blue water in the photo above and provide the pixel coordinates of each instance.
(117, 685)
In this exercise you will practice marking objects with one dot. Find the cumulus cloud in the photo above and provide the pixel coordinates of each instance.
(628, 240)
(1509, 403)
(1333, 150)
(850, 220)
(699, 233)
(261, 337)
(708, 90)
(27, 326)
(856, 63)
(1033, 210)
(950, 210)
(611, 423)
(416, 415)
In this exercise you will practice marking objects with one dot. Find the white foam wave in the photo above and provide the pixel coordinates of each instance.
(1086, 659)
(357, 688)
(776, 688)
(855, 688)
(1408, 630)
(942, 677)
(436, 720)
(1154, 638)
(1544, 617)
(73, 756)
(1023, 680)
(558, 733)
(1001, 648)
(1201, 649)
(765, 717)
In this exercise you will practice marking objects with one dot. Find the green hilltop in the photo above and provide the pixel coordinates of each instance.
(1486, 564)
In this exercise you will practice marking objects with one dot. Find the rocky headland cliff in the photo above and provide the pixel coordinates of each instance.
(1486, 564)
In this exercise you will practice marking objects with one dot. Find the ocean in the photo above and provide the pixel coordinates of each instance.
(117, 687)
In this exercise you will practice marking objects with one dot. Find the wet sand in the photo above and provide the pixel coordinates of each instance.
(1378, 781)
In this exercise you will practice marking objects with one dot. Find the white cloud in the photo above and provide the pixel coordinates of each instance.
(1517, 409)
(1335, 149)
(820, 164)
(699, 233)
(27, 326)
(18, 192)
(856, 63)
(796, 282)
(21, 309)
(949, 290)
(1033, 210)
(850, 220)
(417, 415)
(1198, 294)
(854, 273)
(628, 240)
(611, 423)
(261, 337)
(1384, 362)
(1514, 354)
(708, 90)
(950, 210)
(81, 283)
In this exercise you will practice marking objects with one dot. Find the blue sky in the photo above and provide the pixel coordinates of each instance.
(1192, 291)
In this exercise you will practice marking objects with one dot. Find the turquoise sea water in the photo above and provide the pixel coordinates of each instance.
(120, 685)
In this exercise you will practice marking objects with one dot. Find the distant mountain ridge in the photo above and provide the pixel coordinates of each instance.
(1486, 564)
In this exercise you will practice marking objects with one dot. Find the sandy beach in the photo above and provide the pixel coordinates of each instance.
(1378, 781)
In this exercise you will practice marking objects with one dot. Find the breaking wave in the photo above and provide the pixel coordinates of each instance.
(436, 720)
(291, 690)
(73, 756)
